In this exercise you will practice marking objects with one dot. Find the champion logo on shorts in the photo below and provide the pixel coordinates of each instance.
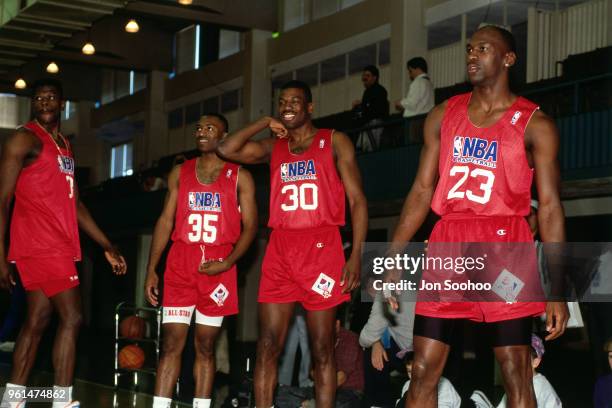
(320, 245)
(321, 143)
(219, 294)
(323, 285)
(501, 232)
(515, 117)
(74, 278)
(229, 173)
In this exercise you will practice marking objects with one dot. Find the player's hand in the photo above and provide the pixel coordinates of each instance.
(151, 287)
(557, 316)
(7, 281)
(278, 128)
(214, 267)
(350, 274)
(379, 356)
(115, 259)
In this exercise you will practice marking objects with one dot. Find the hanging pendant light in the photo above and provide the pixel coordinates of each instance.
(20, 83)
(185, 2)
(132, 26)
(52, 68)
(88, 48)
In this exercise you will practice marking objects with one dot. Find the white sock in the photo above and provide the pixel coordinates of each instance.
(202, 402)
(64, 396)
(162, 402)
(12, 402)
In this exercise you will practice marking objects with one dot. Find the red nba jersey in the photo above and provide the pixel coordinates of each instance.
(44, 222)
(207, 214)
(483, 171)
(305, 189)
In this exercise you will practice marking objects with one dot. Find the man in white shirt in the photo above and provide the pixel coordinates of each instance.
(420, 97)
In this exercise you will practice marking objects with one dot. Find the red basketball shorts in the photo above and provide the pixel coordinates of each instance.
(185, 287)
(51, 275)
(485, 230)
(303, 266)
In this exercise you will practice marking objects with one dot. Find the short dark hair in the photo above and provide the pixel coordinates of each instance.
(220, 117)
(51, 82)
(506, 36)
(417, 62)
(299, 85)
(373, 70)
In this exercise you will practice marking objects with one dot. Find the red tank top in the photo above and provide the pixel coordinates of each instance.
(207, 214)
(305, 189)
(44, 222)
(483, 171)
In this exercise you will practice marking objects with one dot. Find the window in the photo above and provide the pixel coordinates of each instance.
(309, 74)
(322, 8)
(70, 110)
(187, 49)
(230, 101)
(192, 113)
(229, 43)
(122, 84)
(8, 111)
(294, 14)
(384, 52)
(362, 57)
(333, 68)
(121, 160)
(175, 118)
(210, 105)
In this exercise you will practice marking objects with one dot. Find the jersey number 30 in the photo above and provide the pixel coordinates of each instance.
(485, 187)
(306, 197)
(202, 228)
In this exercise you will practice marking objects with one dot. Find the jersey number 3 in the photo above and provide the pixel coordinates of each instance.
(306, 197)
(202, 228)
(485, 187)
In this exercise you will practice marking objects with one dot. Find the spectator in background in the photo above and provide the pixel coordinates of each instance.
(546, 397)
(447, 395)
(349, 368)
(386, 337)
(419, 100)
(371, 109)
(602, 395)
(152, 182)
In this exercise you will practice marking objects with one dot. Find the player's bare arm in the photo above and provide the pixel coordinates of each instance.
(248, 212)
(89, 226)
(351, 179)
(161, 235)
(542, 142)
(17, 150)
(239, 148)
(418, 201)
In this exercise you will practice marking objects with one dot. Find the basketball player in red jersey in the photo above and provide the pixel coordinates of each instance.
(310, 171)
(206, 201)
(483, 197)
(37, 167)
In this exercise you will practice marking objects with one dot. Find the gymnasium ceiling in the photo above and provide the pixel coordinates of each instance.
(36, 32)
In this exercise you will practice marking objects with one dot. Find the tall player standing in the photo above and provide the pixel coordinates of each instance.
(206, 201)
(310, 171)
(484, 204)
(37, 168)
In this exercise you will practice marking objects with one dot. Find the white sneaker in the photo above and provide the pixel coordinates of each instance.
(7, 346)
(480, 400)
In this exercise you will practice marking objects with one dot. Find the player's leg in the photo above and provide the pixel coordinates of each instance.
(511, 344)
(37, 319)
(274, 321)
(68, 307)
(206, 332)
(168, 369)
(322, 333)
(431, 347)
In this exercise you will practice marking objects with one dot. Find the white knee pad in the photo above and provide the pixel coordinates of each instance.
(214, 321)
(178, 314)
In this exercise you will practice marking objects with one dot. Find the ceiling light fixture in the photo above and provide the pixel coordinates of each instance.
(88, 48)
(185, 2)
(52, 68)
(20, 83)
(132, 26)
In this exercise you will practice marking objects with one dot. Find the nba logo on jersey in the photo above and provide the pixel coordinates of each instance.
(323, 285)
(298, 170)
(515, 117)
(481, 152)
(204, 201)
(219, 294)
(66, 164)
